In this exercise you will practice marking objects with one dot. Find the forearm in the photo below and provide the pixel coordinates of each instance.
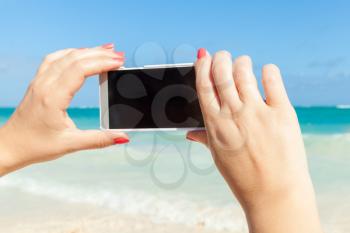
(5, 163)
(291, 213)
(8, 157)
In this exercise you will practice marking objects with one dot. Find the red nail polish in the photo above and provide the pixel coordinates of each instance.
(121, 140)
(121, 59)
(191, 139)
(201, 53)
(108, 46)
(119, 54)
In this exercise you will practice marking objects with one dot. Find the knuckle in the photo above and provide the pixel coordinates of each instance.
(240, 72)
(235, 109)
(41, 95)
(211, 112)
(215, 68)
(267, 81)
(101, 141)
(36, 89)
(218, 69)
(200, 87)
(211, 116)
(222, 64)
(48, 59)
(46, 101)
(201, 84)
(226, 111)
(74, 54)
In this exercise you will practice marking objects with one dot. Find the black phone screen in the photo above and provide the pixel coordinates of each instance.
(153, 98)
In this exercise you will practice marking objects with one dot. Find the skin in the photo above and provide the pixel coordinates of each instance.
(40, 128)
(256, 144)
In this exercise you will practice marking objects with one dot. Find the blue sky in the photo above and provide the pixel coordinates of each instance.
(309, 40)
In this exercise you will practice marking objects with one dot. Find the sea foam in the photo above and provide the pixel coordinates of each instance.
(159, 208)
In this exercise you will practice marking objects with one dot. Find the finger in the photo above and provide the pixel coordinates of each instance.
(61, 53)
(79, 54)
(198, 136)
(74, 76)
(208, 99)
(274, 89)
(52, 57)
(56, 62)
(95, 139)
(108, 46)
(223, 79)
(245, 79)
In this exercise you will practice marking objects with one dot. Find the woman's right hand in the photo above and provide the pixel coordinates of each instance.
(256, 144)
(40, 128)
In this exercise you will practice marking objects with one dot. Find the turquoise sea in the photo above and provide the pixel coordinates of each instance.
(168, 179)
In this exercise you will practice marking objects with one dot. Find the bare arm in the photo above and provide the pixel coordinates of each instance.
(256, 144)
(40, 128)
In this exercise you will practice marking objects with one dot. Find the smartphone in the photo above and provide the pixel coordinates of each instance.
(150, 98)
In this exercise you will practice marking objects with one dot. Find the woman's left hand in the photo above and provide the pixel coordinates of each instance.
(40, 128)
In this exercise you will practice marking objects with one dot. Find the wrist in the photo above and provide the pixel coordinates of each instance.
(291, 211)
(8, 159)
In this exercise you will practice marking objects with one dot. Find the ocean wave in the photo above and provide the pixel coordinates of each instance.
(343, 106)
(326, 135)
(159, 208)
(332, 145)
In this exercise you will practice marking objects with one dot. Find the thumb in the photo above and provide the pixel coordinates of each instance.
(198, 136)
(95, 139)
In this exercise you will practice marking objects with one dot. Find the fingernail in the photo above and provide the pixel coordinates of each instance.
(108, 46)
(121, 140)
(120, 59)
(120, 54)
(201, 53)
(191, 139)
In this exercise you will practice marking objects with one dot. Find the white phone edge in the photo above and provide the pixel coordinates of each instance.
(104, 111)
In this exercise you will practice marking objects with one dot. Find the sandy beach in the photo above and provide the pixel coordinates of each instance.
(23, 213)
(30, 214)
(110, 190)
